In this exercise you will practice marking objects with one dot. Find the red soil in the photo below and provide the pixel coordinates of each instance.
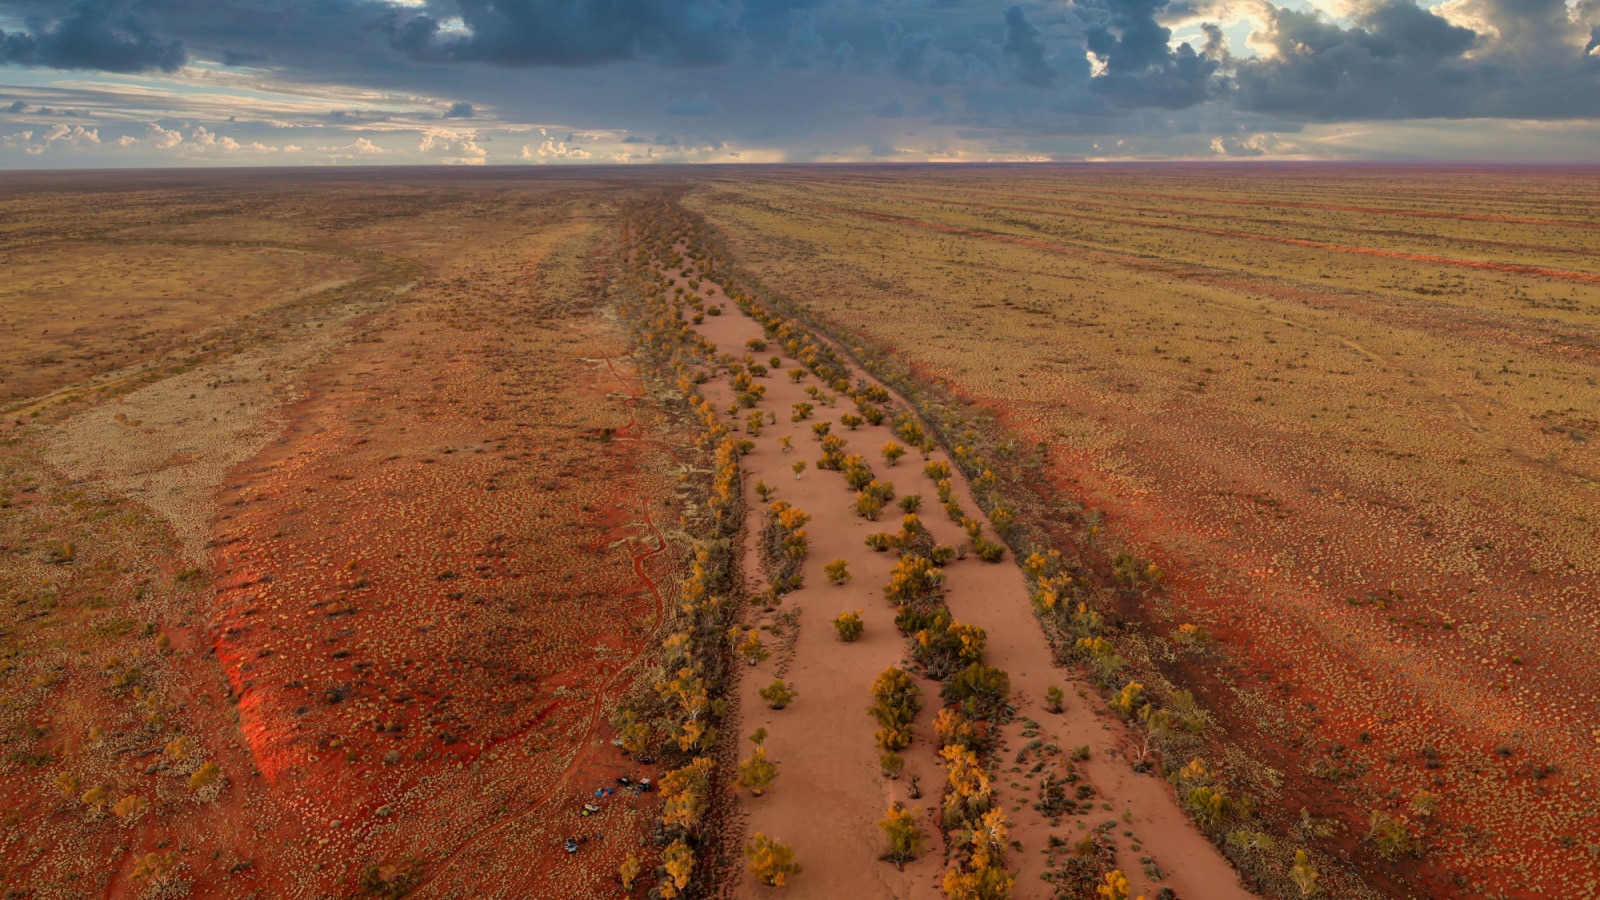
(432, 592)
(1273, 551)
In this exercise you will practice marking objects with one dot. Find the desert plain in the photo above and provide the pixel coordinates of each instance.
(374, 533)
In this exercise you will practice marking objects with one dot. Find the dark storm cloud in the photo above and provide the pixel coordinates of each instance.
(1025, 51)
(343, 34)
(94, 34)
(243, 57)
(1397, 58)
(1525, 27)
(1010, 66)
(1401, 61)
(931, 57)
(698, 105)
(309, 38)
(1141, 67)
(572, 32)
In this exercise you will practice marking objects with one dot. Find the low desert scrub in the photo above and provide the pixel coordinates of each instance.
(390, 881)
(1191, 637)
(771, 863)
(849, 626)
(907, 840)
(868, 506)
(858, 475)
(778, 694)
(751, 649)
(838, 571)
(785, 543)
(896, 699)
(987, 550)
(982, 691)
(1392, 837)
(891, 764)
(757, 772)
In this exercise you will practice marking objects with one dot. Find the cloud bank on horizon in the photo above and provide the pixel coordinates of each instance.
(150, 82)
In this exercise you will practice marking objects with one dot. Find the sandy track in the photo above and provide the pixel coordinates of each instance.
(830, 792)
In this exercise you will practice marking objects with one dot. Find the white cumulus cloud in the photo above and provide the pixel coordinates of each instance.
(453, 146)
(553, 149)
(164, 139)
(357, 147)
(36, 143)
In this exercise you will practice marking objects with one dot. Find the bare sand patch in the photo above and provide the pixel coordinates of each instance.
(171, 444)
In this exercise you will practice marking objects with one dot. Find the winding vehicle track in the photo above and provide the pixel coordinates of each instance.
(1303, 204)
(1339, 207)
(1063, 212)
(1515, 268)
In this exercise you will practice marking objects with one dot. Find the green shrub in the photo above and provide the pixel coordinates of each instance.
(778, 694)
(896, 700)
(838, 571)
(849, 626)
(1053, 698)
(390, 882)
(868, 506)
(1391, 837)
(981, 690)
(987, 550)
(892, 764)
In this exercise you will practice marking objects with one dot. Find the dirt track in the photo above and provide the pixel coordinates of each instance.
(831, 792)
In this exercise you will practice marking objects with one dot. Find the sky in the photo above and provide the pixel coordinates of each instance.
(120, 83)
